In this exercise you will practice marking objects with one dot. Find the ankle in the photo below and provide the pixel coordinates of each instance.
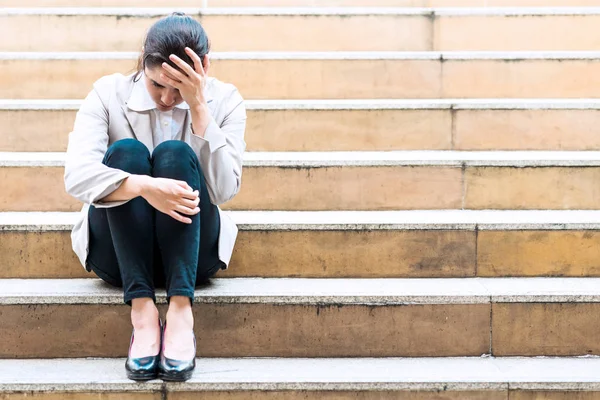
(144, 313)
(180, 311)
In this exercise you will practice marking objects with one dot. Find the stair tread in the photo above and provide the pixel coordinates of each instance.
(457, 158)
(350, 104)
(333, 291)
(323, 55)
(354, 220)
(435, 373)
(307, 11)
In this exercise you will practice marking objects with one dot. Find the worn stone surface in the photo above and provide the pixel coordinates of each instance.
(554, 32)
(261, 330)
(553, 395)
(35, 189)
(227, 32)
(520, 78)
(268, 130)
(341, 395)
(354, 254)
(278, 254)
(538, 253)
(526, 130)
(542, 329)
(81, 396)
(255, 78)
(43, 130)
(364, 130)
(341, 188)
(349, 189)
(307, 3)
(39, 255)
(532, 188)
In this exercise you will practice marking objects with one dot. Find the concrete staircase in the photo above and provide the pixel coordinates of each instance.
(419, 217)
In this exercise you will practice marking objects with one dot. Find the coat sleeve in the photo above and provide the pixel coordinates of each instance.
(86, 178)
(221, 150)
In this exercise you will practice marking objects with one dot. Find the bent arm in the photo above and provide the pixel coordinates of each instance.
(220, 151)
(86, 178)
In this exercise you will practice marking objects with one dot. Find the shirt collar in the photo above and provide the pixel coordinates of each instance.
(140, 99)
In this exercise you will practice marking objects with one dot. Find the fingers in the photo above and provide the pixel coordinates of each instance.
(196, 59)
(183, 65)
(172, 73)
(170, 81)
(190, 203)
(187, 194)
(186, 210)
(179, 217)
(184, 185)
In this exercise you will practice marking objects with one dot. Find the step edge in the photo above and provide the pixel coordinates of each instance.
(498, 104)
(465, 220)
(543, 55)
(306, 11)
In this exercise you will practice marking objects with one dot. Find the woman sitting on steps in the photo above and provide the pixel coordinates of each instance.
(151, 155)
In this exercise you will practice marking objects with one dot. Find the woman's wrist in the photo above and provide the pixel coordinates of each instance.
(200, 119)
(140, 184)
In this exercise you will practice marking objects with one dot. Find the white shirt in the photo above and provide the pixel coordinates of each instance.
(166, 125)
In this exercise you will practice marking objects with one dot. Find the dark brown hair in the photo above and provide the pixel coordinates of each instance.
(171, 35)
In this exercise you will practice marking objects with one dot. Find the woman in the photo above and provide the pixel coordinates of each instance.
(151, 155)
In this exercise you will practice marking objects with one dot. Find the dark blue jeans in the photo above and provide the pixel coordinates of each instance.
(136, 247)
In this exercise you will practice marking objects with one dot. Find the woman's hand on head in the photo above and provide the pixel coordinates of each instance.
(172, 197)
(189, 81)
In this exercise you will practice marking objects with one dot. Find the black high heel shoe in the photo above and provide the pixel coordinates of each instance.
(143, 368)
(175, 370)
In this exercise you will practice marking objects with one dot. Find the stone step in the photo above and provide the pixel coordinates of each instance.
(329, 75)
(444, 378)
(352, 125)
(324, 29)
(302, 3)
(323, 181)
(397, 244)
(258, 317)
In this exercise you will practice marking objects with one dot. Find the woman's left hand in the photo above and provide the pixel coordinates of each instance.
(189, 81)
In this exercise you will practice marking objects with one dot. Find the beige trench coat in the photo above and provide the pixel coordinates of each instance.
(104, 118)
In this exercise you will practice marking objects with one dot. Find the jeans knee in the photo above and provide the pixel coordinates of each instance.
(174, 155)
(177, 149)
(129, 155)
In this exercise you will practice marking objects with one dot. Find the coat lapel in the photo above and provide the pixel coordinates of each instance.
(140, 123)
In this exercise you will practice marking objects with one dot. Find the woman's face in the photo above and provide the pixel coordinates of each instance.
(166, 97)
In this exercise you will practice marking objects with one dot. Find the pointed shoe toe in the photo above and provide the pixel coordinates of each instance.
(175, 370)
(142, 369)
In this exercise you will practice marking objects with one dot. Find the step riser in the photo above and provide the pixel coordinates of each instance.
(330, 79)
(261, 330)
(320, 33)
(226, 32)
(326, 254)
(364, 130)
(267, 330)
(364, 188)
(552, 329)
(350, 254)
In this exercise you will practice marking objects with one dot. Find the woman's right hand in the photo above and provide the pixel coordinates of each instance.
(172, 197)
